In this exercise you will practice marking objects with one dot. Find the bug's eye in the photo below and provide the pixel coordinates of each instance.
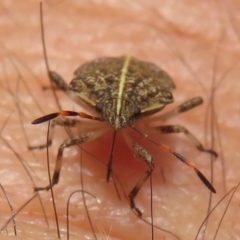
(99, 106)
(136, 111)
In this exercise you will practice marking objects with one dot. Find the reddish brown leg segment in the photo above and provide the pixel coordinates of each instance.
(181, 158)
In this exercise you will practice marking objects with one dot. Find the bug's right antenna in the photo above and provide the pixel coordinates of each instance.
(182, 159)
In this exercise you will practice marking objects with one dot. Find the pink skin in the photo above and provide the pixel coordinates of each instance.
(76, 33)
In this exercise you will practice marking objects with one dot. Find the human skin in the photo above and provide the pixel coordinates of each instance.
(198, 32)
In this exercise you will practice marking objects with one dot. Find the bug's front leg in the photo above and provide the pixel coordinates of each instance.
(58, 82)
(189, 104)
(179, 129)
(186, 106)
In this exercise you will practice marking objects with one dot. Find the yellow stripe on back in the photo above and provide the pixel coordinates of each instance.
(122, 83)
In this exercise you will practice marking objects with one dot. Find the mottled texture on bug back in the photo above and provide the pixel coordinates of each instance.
(124, 84)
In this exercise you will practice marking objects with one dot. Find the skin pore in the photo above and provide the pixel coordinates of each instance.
(184, 39)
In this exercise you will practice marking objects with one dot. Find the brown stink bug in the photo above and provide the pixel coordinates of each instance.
(121, 90)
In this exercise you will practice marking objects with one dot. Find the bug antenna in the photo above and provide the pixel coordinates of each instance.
(181, 158)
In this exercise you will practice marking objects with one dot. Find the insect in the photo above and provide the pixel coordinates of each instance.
(121, 90)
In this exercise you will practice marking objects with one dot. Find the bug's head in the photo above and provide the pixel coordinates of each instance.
(120, 116)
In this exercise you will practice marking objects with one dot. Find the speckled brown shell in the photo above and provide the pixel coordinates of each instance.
(123, 84)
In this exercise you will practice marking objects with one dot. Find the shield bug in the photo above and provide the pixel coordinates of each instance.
(122, 91)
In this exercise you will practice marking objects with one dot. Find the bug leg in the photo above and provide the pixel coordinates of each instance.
(179, 129)
(189, 104)
(186, 106)
(58, 82)
(77, 140)
(64, 122)
(148, 159)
